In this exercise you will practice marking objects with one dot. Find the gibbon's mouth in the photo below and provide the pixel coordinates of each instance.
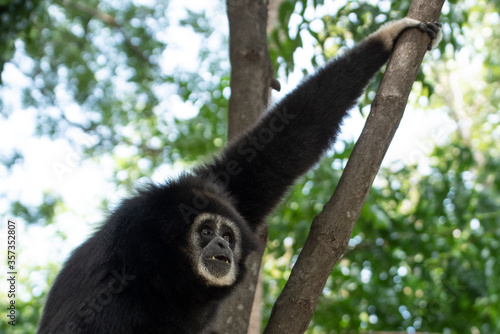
(220, 258)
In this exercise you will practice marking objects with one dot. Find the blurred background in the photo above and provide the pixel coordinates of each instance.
(100, 97)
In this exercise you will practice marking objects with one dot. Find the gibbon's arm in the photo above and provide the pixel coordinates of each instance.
(259, 166)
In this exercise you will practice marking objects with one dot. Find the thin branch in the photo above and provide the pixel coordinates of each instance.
(332, 228)
(110, 21)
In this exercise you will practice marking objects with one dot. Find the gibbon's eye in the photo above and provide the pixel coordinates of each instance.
(227, 237)
(205, 231)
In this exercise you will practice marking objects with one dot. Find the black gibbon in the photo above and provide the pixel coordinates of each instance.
(166, 257)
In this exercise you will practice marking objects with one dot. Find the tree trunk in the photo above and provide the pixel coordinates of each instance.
(331, 229)
(251, 71)
(251, 75)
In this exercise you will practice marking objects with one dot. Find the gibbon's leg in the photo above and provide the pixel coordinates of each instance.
(259, 166)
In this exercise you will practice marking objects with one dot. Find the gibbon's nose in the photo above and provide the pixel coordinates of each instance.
(222, 243)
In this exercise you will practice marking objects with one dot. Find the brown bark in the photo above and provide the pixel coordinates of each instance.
(251, 75)
(332, 228)
(255, 323)
(251, 71)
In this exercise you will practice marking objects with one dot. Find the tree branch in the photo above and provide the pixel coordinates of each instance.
(110, 21)
(251, 75)
(331, 229)
(251, 71)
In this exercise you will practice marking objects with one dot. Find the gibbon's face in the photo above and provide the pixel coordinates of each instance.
(215, 249)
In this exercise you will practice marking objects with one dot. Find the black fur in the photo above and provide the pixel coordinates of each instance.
(132, 275)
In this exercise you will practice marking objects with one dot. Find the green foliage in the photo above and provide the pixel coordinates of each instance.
(43, 214)
(424, 253)
(15, 19)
